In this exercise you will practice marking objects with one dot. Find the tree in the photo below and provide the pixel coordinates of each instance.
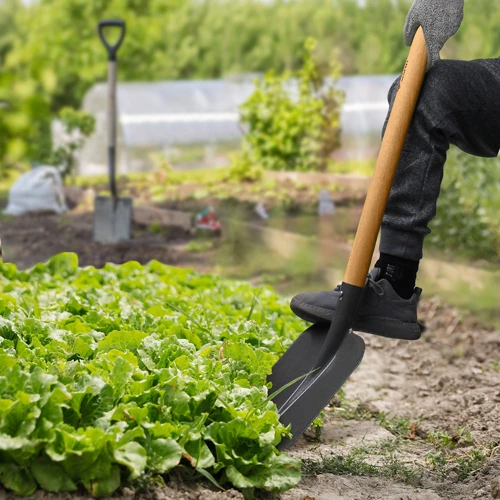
(50, 54)
(8, 10)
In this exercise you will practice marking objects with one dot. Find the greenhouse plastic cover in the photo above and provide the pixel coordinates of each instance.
(162, 114)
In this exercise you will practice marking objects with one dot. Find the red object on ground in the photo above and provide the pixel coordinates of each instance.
(207, 219)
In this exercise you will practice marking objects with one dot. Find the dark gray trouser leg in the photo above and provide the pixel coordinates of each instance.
(459, 104)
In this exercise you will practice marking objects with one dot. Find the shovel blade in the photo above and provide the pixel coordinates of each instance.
(112, 219)
(322, 358)
(319, 387)
(297, 361)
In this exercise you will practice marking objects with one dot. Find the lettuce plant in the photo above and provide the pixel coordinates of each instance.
(115, 375)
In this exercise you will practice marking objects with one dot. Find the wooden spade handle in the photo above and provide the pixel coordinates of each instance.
(387, 162)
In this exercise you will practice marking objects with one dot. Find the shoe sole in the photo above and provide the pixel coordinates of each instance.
(383, 327)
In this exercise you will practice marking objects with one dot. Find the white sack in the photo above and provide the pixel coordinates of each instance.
(39, 190)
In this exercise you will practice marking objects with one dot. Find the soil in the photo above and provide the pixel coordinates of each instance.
(33, 238)
(448, 380)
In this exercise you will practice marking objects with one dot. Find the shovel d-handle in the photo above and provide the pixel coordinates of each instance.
(387, 162)
(112, 51)
(112, 48)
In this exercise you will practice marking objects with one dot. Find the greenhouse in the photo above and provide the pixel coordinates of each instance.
(163, 115)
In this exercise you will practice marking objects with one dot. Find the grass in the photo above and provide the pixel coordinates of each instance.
(470, 463)
(198, 152)
(201, 245)
(444, 463)
(443, 459)
(213, 175)
(382, 448)
(398, 426)
(352, 463)
(355, 463)
(155, 228)
(205, 176)
(445, 440)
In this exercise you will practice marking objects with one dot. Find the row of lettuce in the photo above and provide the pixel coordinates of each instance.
(118, 375)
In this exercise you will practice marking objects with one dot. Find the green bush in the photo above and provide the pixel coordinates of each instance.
(24, 123)
(245, 167)
(293, 119)
(468, 214)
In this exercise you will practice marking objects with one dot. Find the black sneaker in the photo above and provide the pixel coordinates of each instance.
(381, 312)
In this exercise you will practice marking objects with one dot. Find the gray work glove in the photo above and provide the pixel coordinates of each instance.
(440, 20)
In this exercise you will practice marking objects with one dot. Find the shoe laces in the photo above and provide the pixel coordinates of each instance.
(374, 285)
(371, 283)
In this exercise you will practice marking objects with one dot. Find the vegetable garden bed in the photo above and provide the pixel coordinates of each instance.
(117, 376)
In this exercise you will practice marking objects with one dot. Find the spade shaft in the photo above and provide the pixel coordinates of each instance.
(112, 49)
(385, 169)
(387, 162)
(112, 215)
(112, 127)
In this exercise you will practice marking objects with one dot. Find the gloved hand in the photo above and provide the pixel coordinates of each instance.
(440, 20)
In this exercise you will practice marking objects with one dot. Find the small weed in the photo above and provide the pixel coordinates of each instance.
(65, 220)
(437, 461)
(443, 462)
(155, 228)
(496, 365)
(354, 463)
(200, 246)
(398, 426)
(313, 434)
(347, 410)
(396, 469)
(470, 463)
(381, 448)
(360, 167)
(444, 440)
(351, 463)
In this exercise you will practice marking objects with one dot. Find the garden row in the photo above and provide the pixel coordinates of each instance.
(119, 375)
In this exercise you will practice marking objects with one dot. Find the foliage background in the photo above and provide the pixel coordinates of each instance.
(467, 222)
(50, 54)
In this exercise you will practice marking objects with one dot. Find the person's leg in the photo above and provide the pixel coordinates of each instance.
(459, 104)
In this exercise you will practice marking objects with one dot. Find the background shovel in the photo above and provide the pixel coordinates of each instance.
(112, 216)
(323, 357)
